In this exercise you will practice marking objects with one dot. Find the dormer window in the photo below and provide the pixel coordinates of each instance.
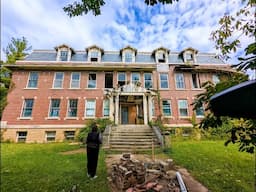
(128, 57)
(63, 55)
(94, 53)
(161, 55)
(189, 55)
(128, 54)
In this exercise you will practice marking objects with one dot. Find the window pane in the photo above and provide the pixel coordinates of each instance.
(148, 80)
(72, 109)
(121, 79)
(90, 108)
(200, 111)
(164, 81)
(128, 56)
(180, 81)
(55, 108)
(75, 80)
(27, 108)
(92, 81)
(108, 80)
(63, 55)
(135, 77)
(166, 107)
(106, 108)
(58, 80)
(195, 81)
(183, 107)
(33, 79)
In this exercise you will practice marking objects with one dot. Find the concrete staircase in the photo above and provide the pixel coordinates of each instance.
(132, 138)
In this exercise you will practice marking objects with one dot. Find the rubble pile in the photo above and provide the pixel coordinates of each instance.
(131, 175)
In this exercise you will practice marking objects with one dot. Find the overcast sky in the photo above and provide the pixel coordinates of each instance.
(187, 23)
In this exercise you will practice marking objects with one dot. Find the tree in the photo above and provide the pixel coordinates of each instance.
(85, 6)
(232, 29)
(16, 50)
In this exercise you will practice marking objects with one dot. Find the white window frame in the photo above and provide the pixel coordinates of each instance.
(161, 57)
(146, 80)
(181, 107)
(29, 80)
(197, 81)
(54, 81)
(75, 81)
(66, 56)
(88, 82)
(106, 107)
(215, 79)
(50, 136)
(128, 56)
(21, 139)
(136, 75)
(167, 80)
(69, 108)
(24, 107)
(201, 108)
(179, 81)
(122, 80)
(69, 137)
(170, 107)
(55, 108)
(94, 109)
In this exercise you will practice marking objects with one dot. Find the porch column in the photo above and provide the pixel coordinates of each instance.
(111, 109)
(150, 108)
(116, 109)
(145, 109)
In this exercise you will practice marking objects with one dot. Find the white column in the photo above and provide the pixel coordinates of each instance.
(116, 109)
(111, 108)
(145, 110)
(150, 108)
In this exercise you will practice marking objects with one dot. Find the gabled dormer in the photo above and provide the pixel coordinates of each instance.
(161, 55)
(94, 53)
(64, 52)
(189, 55)
(128, 54)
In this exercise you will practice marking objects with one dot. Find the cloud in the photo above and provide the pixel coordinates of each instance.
(122, 22)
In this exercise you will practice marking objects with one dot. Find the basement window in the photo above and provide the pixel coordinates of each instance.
(21, 136)
(69, 135)
(50, 135)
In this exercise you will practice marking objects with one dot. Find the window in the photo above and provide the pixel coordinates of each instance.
(108, 80)
(135, 78)
(215, 79)
(161, 57)
(27, 108)
(75, 80)
(121, 79)
(200, 111)
(69, 135)
(33, 79)
(148, 80)
(166, 104)
(21, 136)
(58, 80)
(94, 55)
(195, 81)
(106, 108)
(50, 135)
(189, 57)
(128, 56)
(72, 107)
(92, 80)
(64, 55)
(180, 81)
(153, 108)
(54, 108)
(90, 108)
(183, 108)
(164, 81)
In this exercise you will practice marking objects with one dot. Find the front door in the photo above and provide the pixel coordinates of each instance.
(124, 115)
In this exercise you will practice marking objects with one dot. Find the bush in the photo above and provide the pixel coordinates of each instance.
(102, 124)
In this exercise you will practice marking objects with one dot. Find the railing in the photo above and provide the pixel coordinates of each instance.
(106, 136)
(159, 135)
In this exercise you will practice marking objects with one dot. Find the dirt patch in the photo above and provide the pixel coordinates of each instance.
(76, 151)
(191, 184)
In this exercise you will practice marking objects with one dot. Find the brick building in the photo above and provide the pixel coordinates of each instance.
(56, 91)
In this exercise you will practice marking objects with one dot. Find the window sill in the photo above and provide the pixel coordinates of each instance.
(52, 118)
(24, 118)
(200, 117)
(74, 88)
(168, 117)
(90, 88)
(184, 117)
(164, 89)
(84, 118)
(181, 89)
(71, 118)
(57, 88)
(31, 88)
(197, 89)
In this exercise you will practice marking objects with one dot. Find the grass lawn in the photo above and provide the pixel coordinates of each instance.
(220, 168)
(41, 167)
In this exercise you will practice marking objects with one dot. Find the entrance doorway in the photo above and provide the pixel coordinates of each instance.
(124, 115)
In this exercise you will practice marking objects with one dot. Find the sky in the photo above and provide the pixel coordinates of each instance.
(177, 26)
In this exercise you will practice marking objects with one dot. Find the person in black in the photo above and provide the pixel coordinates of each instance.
(93, 142)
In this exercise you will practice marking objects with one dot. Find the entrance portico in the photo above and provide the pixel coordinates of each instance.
(130, 104)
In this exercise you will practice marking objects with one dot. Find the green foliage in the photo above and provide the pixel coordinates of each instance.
(101, 123)
(243, 132)
(157, 123)
(17, 49)
(94, 6)
(233, 28)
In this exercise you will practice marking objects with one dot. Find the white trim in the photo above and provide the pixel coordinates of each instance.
(160, 81)
(89, 80)
(175, 80)
(55, 79)
(125, 77)
(52, 126)
(71, 80)
(180, 116)
(135, 73)
(95, 105)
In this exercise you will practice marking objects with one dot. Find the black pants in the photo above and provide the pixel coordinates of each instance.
(92, 160)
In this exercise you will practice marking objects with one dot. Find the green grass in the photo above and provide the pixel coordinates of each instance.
(220, 168)
(42, 168)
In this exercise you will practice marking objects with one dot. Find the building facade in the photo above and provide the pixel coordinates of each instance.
(56, 91)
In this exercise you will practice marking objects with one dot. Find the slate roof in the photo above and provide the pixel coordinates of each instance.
(114, 56)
